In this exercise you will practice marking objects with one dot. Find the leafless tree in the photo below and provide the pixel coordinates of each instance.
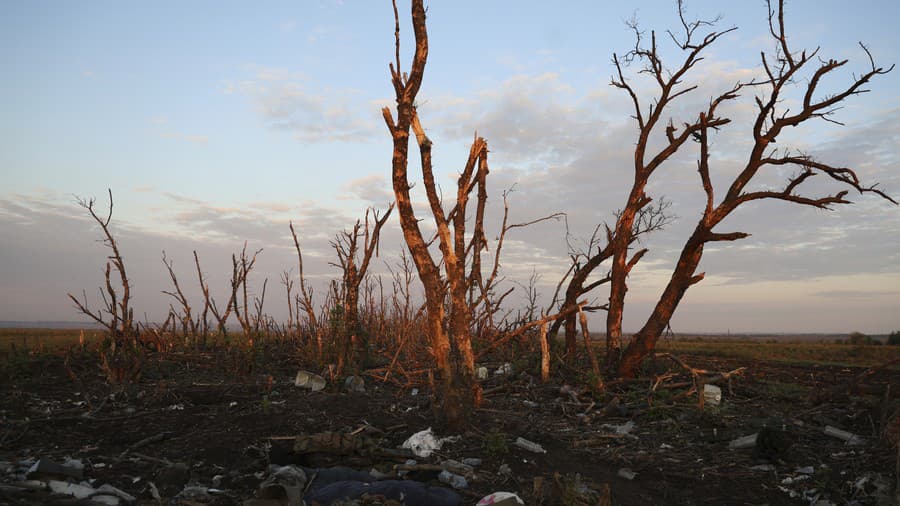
(786, 70)
(598, 250)
(353, 272)
(305, 298)
(120, 323)
(463, 286)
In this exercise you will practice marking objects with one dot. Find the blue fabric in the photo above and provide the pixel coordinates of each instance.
(410, 493)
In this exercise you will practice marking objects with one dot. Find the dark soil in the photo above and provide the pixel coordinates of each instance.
(225, 424)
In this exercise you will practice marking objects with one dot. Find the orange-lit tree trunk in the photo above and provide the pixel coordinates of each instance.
(451, 343)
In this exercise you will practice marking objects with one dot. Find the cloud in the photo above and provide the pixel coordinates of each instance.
(286, 101)
(374, 189)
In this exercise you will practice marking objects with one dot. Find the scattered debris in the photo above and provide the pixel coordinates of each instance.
(529, 445)
(500, 499)
(626, 473)
(849, 437)
(481, 373)
(622, 429)
(424, 443)
(454, 480)
(712, 395)
(310, 381)
(285, 483)
(505, 368)
(743, 442)
(355, 384)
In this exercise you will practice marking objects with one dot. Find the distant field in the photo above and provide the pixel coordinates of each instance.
(807, 349)
(47, 339)
(809, 352)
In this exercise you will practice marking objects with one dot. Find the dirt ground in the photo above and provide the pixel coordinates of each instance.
(226, 426)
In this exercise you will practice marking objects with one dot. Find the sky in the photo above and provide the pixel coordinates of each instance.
(215, 123)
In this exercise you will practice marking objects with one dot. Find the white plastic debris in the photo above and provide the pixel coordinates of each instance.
(851, 438)
(712, 395)
(310, 381)
(78, 491)
(454, 480)
(176, 407)
(744, 442)
(622, 429)
(763, 467)
(500, 498)
(806, 470)
(481, 373)
(506, 368)
(529, 445)
(626, 473)
(424, 443)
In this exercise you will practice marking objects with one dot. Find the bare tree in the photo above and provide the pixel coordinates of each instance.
(649, 219)
(784, 71)
(188, 325)
(121, 316)
(463, 287)
(353, 270)
(305, 298)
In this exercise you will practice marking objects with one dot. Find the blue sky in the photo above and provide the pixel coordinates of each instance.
(216, 122)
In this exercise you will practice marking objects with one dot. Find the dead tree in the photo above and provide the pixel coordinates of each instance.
(120, 324)
(240, 271)
(451, 299)
(451, 345)
(785, 70)
(649, 219)
(305, 298)
(353, 272)
(188, 325)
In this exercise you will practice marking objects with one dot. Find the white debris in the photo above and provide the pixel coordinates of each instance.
(500, 497)
(481, 373)
(529, 445)
(851, 438)
(743, 442)
(506, 368)
(712, 395)
(424, 443)
(78, 491)
(626, 473)
(621, 429)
